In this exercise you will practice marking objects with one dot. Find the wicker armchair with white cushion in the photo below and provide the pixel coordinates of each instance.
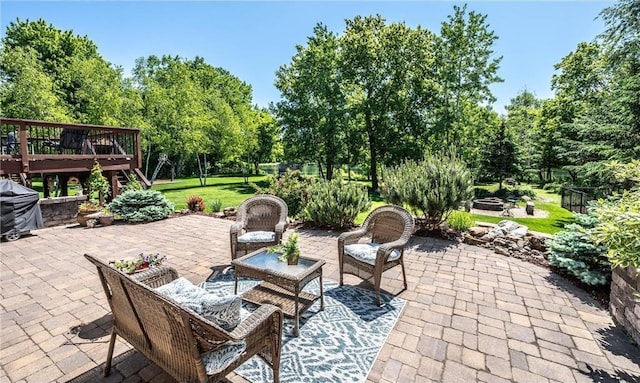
(387, 229)
(260, 222)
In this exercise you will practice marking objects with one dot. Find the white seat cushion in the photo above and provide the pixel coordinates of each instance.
(221, 310)
(257, 236)
(366, 252)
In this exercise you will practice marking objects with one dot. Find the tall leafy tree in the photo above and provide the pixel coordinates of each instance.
(26, 90)
(313, 106)
(466, 67)
(89, 88)
(196, 112)
(388, 71)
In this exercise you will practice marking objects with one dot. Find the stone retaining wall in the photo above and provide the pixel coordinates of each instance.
(624, 305)
(60, 210)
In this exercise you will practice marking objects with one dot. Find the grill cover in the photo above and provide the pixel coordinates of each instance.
(19, 208)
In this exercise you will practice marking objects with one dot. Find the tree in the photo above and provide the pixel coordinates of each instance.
(69, 76)
(313, 106)
(522, 114)
(500, 157)
(388, 71)
(196, 111)
(26, 91)
(466, 67)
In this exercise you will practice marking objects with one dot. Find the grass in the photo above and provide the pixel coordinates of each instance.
(230, 190)
(545, 200)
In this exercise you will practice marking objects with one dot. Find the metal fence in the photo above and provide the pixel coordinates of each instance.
(575, 200)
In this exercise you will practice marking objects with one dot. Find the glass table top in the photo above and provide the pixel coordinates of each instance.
(267, 260)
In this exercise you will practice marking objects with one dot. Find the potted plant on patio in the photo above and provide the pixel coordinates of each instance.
(289, 250)
(96, 184)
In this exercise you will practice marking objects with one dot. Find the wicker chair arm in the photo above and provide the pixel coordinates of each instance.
(280, 227)
(257, 320)
(237, 227)
(351, 236)
(386, 248)
(156, 276)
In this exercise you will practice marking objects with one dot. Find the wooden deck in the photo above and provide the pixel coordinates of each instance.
(63, 150)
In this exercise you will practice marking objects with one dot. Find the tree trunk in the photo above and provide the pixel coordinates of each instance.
(329, 171)
(372, 150)
(320, 172)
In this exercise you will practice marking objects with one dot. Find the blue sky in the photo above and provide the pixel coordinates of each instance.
(252, 39)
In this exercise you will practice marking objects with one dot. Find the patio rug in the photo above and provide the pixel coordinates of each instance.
(339, 344)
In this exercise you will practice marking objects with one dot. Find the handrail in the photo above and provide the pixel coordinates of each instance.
(27, 143)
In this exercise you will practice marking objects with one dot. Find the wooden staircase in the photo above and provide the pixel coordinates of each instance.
(125, 176)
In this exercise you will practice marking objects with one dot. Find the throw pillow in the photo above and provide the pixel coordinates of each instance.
(221, 310)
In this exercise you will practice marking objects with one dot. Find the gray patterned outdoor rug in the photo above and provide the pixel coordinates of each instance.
(339, 344)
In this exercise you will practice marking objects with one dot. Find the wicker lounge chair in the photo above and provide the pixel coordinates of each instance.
(260, 222)
(389, 228)
(181, 342)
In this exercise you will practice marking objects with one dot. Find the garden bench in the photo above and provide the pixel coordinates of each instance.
(186, 345)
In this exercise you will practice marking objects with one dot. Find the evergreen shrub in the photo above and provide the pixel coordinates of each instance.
(433, 187)
(292, 187)
(141, 206)
(336, 204)
(460, 220)
(574, 250)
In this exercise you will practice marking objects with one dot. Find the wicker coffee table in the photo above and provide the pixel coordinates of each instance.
(281, 284)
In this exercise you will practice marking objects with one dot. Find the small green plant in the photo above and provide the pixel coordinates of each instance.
(460, 221)
(289, 250)
(141, 206)
(336, 204)
(143, 262)
(292, 187)
(196, 203)
(216, 205)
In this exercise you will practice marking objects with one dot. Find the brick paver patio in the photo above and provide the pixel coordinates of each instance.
(472, 316)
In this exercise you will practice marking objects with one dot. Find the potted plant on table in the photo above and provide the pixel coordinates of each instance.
(289, 250)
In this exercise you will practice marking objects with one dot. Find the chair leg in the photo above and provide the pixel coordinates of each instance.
(404, 274)
(112, 343)
(376, 284)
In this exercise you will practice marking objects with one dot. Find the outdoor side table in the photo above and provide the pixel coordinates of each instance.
(281, 284)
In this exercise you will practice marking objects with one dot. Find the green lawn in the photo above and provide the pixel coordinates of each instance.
(231, 191)
(545, 200)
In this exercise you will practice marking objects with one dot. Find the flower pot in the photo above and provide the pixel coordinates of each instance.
(106, 220)
(293, 259)
(84, 216)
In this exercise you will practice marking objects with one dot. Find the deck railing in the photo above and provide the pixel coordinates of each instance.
(26, 145)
